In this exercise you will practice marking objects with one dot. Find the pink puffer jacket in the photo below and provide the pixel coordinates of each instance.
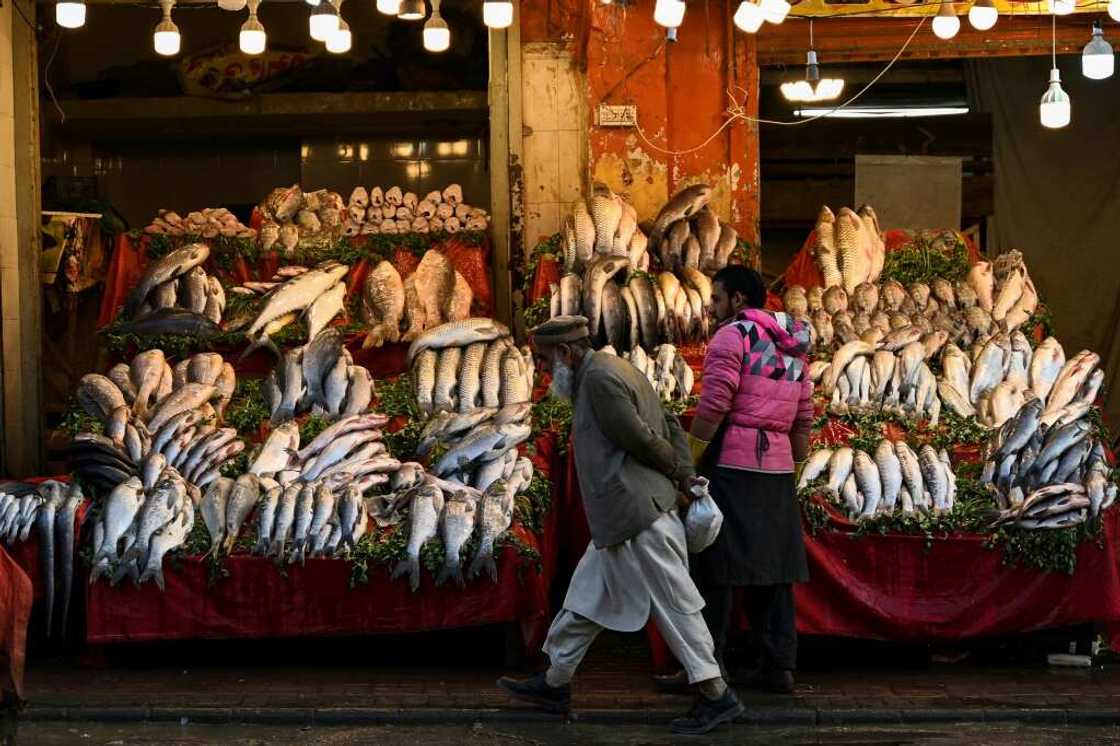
(756, 374)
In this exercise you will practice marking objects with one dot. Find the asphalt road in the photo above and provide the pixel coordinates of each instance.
(974, 734)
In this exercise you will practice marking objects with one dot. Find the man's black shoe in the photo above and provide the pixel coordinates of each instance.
(537, 692)
(766, 680)
(707, 714)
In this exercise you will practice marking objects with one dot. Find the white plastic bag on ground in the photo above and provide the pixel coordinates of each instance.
(703, 520)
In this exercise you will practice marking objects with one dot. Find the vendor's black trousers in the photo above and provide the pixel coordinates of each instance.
(771, 614)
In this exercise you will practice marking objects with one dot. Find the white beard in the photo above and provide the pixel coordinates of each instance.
(563, 381)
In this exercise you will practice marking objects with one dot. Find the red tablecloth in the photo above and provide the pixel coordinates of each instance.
(893, 588)
(15, 611)
(255, 601)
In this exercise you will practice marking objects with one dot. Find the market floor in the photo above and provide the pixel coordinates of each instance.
(975, 734)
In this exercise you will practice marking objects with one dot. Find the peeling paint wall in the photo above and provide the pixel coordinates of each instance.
(620, 56)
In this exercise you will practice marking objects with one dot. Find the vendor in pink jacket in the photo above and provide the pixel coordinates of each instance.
(751, 426)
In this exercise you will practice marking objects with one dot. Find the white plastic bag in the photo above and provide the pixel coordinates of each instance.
(703, 520)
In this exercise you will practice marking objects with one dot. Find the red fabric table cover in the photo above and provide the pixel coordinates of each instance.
(256, 602)
(15, 612)
(891, 587)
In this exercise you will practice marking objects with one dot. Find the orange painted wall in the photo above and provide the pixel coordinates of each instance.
(681, 90)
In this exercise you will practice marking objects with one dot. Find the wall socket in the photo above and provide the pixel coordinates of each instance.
(622, 115)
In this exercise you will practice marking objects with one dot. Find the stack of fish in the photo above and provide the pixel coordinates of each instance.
(893, 476)
(320, 377)
(1007, 373)
(687, 234)
(254, 288)
(643, 311)
(1033, 450)
(605, 229)
(150, 408)
(453, 512)
(51, 508)
(292, 216)
(176, 286)
(667, 370)
(209, 222)
(1058, 506)
(993, 297)
(142, 520)
(893, 378)
(317, 294)
(304, 519)
(849, 249)
(465, 365)
(395, 211)
(226, 506)
(400, 311)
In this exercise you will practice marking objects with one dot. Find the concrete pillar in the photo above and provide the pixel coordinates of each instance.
(20, 291)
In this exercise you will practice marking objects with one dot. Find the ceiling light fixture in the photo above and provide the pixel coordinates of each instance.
(983, 15)
(881, 112)
(389, 7)
(252, 39)
(669, 13)
(437, 35)
(749, 17)
(1062, 7)
(1054, 110)
(324, 22)
(945, 23)
(1097, 59)
(497, 13)
(774, 11)
(412, 10)
(813, 88)
(1114, 10)
(340, 39)
(166, 38)
(73, 14)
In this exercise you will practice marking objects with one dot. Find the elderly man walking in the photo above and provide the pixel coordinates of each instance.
(633, 463)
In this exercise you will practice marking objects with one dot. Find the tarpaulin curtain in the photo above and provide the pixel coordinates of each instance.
(1057, 198)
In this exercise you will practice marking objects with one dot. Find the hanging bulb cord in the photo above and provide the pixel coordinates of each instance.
(1053, 41)
(737, 111)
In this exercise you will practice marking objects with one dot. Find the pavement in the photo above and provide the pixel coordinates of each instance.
(450, 680)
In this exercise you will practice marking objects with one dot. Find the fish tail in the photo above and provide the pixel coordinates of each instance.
(451, 570)
(484, 561)
(411, 567)
(262, 341)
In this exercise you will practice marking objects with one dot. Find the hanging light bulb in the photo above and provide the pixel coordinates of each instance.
(983, 15)
(234, 6)
(749, 17)
(1062, 7)
(389, 7)
(1054, 111)
(497, 13)
(1114, 10)
(252, 38)
(774, 11)
(339, 42)
(669, 13)
(1097, 59)
(813, 88)
(324, 22)
(412, 10)
(166, 38)
(70, 14)
(945, 23)
(437, 35)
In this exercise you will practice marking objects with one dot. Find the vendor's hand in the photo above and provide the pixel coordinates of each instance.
(684, 499)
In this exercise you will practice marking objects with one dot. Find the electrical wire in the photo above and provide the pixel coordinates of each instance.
(737, 111)
(47, 78)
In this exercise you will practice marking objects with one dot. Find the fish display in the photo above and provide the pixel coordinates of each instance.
(892, 478)
(849, 248)
(294, 218)
(317, 293)
(150, 410)
(667, 371)
(209, 222)
(467, 368)
(398, 212)
(176, 274)
(321, 378)
(48, 511)
(139, 526)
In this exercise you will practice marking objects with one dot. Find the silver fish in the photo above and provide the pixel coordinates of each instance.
(934, 477)
(426, 507)
(213, 509)
(890, 474)
(278, 451)
(491, 373)
(383, 295)
(457, 334)
(814, 466)
(266, 519)
(868, 481)
(458, 524)
(190, 396)
(912, 474)
(319, 356)
(359, 393)
(283, 522)
(292, 386)
(344, 426)
(168, 537)
(166, 268)
(325, 308)
(242, 499)
(335, 385)
(839, 467)
(683, 205)
(297, 294)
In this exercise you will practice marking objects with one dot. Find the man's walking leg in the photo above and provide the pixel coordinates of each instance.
(569, 639)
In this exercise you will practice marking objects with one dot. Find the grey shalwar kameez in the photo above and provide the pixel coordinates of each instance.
(629, 457)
